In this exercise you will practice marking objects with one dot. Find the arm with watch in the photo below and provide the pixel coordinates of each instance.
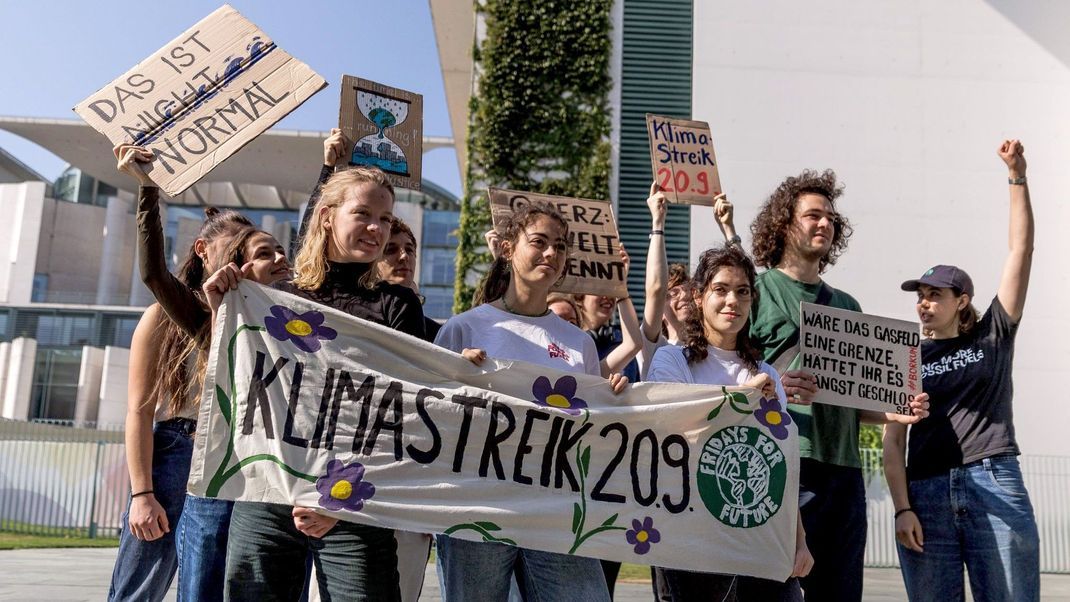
(908, 529)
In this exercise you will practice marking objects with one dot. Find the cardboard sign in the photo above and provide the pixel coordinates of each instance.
(861, 361)
(682, 159)
(202, 97)
(594, 265)
(306, 405)
(386, 127)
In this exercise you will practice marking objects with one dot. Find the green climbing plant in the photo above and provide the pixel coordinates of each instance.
(539, 117)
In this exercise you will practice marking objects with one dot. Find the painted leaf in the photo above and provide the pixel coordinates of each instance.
(609, 521)
(714, 412)
(577, 515)
(739, 398)
(585, 460)
(224, 403)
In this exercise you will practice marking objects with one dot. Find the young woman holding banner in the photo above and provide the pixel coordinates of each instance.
(165, 529)
(718, 350)
(514, 323)
(959, 497)
(346, 227)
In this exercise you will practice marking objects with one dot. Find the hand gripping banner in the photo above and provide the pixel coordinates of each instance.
(304, 405)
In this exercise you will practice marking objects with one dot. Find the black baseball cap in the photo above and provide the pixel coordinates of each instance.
(942, 276)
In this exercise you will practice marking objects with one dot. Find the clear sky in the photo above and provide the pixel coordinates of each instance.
(56, 53)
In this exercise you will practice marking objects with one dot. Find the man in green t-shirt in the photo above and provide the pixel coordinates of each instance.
(796, 236)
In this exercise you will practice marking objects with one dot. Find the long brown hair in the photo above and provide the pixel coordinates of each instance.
(310, 264)
(769, 230)
(496, 282)
(710, 263)
(175, 381)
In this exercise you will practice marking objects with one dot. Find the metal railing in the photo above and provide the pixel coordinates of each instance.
(59, 480)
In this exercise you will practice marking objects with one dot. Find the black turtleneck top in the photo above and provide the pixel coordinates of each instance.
(391, 305)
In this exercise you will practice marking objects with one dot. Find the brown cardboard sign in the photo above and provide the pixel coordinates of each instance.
(201, 97)
(386, 127)
(594, 266)
(682, 159)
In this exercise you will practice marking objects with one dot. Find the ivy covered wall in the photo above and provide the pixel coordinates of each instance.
(539, 117)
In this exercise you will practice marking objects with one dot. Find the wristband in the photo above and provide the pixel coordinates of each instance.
(904, 510)
(735, 240)
(657, 232)
(146, 492)
(1019, 181)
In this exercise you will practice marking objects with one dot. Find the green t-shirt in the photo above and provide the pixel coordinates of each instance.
(827, 433)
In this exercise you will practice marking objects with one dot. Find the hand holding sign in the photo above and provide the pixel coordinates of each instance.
(130, 158)
(334, 148)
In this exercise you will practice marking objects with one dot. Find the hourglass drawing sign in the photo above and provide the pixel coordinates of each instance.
(378, 149)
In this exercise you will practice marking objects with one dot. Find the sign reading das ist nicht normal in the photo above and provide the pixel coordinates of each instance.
(682, 158)
(305, 405)
(594, 264)
(861, 361)
(201, 97)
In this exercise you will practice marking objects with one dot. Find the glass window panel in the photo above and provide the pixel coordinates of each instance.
(438, 267)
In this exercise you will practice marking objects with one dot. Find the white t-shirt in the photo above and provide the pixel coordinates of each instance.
(719, 368)
(646, 353)
(546, 340)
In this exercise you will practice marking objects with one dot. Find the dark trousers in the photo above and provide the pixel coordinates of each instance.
(690, 586)
(833, 505)
(610, 569)
(266, 558)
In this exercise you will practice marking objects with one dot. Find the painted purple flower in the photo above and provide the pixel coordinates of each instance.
(770, 414)
(344, 487)
(305, 330)
(560, 396)
(642, 535)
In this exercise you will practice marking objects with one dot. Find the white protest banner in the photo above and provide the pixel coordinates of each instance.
(386, 127)
(594, 264)
(201, 97)
(682, 158)
(861, 361)
(305, 405)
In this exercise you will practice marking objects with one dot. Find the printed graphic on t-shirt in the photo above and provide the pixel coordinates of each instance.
(556, 350)
(950, 363)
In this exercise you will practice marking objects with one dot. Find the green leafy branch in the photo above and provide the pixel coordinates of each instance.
(484, 528)
(734, 401)
(579, 509)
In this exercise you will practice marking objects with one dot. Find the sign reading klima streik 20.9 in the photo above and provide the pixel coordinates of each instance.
(682, 158)
(304, 405)
(200, 98)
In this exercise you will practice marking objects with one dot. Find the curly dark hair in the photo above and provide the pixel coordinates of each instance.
(769, 231)
(712, 261)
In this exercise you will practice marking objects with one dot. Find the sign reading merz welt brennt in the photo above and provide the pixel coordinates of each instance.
(201, 97)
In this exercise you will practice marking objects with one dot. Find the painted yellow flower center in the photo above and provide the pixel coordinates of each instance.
(342, 490)
(298, 328)
(558, 401)
(773, 418)
(641, 536)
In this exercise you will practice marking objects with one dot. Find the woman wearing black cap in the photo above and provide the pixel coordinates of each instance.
(959, 497)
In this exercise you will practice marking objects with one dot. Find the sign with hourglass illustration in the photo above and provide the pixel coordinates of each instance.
(386, 127)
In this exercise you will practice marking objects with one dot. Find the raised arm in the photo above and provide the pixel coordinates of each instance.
(1015, 280)
(723, 212)
(177, 300)
(657, 266)
(631, 341)
(334, 152)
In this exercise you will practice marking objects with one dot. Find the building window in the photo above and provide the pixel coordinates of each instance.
(3, 326)
(438, 302)
(39, 292)
(438, 266)
(55, 383)
(118, 330)
(64, 330)
(440, 228)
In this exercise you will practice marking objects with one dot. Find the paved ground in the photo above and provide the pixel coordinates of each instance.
(83, 574)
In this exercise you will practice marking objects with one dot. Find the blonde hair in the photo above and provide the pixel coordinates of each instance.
(310, 265)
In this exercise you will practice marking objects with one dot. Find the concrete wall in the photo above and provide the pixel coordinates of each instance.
(908, 103)
(20, 229)
(15, 396)
(87, 403)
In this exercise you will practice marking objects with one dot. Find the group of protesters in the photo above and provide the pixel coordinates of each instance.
(956, 482)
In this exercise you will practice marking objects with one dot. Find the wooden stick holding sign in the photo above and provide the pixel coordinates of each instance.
(861, 361)
(386, 127)
(594, 266)
(201, 98)
(682, 159)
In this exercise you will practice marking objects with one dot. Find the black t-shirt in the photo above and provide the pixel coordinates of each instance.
(968, 379)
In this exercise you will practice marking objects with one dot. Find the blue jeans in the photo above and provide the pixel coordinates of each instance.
(979, 516)
(472, 571)
(144, 569)
(202, 548)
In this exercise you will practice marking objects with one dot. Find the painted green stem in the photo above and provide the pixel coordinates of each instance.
(218, 479)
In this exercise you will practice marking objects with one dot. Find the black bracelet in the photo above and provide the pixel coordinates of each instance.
(898, 512)
(146, 492)
(657, 232)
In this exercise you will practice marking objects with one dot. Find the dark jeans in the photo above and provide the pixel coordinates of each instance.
(689, 586)
(144, 569)
(266, 558)
(832, 500)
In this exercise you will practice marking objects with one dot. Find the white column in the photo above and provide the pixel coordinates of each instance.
(116, 226)
(111, 407)
(20, 231)
(19, 382)
(88, 396)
